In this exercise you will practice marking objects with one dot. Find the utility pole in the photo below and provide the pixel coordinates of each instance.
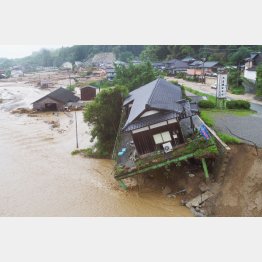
(203, 72)
(76, 131)
(69, 77)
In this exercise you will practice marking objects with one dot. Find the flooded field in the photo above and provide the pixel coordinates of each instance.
(40, 177)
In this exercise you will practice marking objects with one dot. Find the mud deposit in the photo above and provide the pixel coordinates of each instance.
(39, 177)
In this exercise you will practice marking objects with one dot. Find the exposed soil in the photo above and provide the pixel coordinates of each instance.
(240, 193)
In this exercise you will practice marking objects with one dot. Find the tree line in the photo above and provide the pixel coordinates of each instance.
(226, 54)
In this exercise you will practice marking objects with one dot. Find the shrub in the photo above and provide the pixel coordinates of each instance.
(240, 90)
(180, 75)
(238, 104)
(206, 104)
(71, 87)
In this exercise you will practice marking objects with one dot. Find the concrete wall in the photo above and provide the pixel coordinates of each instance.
(251, 75)
(40, 105)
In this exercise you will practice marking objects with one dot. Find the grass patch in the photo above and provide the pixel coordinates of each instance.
(207, 117)
(234, 112)
(228, 139)
(240, 90)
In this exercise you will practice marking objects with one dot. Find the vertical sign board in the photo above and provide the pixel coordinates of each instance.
(221, 85)
(204, 132)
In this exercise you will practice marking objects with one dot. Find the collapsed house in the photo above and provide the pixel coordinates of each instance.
(57, 100)
(159, 127)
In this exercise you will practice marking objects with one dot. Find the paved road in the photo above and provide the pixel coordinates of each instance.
(204, 88)
(248, 127)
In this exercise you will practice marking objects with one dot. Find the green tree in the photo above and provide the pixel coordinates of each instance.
(126, 56)
(103, 114)
(134, 76)
(234, 78)
(238, 56)
(259, 81)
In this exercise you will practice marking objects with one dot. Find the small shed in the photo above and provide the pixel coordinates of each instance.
(55, 101)
(88, 93)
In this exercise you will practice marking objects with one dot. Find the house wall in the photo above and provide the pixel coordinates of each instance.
(144, 140)
(209, 80)
(251, 75)
(88, 93)
(40, 105)
(199, 71)
(248, 64)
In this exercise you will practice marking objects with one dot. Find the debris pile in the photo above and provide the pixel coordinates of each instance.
(22, 110)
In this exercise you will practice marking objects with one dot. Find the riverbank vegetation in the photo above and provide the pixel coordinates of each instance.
(103, 114)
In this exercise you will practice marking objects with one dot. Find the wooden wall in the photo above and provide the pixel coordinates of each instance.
(40, 105)
(145, 143)
(88, 93)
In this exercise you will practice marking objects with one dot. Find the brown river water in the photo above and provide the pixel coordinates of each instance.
(40, 177)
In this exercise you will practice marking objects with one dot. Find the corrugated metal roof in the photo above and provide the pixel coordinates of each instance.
(61, 94)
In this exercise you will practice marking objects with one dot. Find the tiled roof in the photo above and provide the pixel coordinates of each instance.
(150, 120)
(188, 59)
(158, 94)
(208, 64)
(175, 63)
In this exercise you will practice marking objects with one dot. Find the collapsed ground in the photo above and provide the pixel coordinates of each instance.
(233, 189)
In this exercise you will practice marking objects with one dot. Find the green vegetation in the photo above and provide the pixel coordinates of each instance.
(240, 90)
(74, 53)
(225, 54)
(102, 83)
(228, 139)
(207, 117)
(206, 104)
(71, 87)
(259, 81)
(134, 76)
(235, 82)
(103, 114)
(180, 75)
(197, 148)
(238, 104)
(240, 54)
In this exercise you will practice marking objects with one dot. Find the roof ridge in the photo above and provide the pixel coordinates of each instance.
(150, 98)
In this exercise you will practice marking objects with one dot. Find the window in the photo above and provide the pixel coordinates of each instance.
(162, 137)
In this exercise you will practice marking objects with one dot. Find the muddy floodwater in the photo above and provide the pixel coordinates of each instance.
(40, 177)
